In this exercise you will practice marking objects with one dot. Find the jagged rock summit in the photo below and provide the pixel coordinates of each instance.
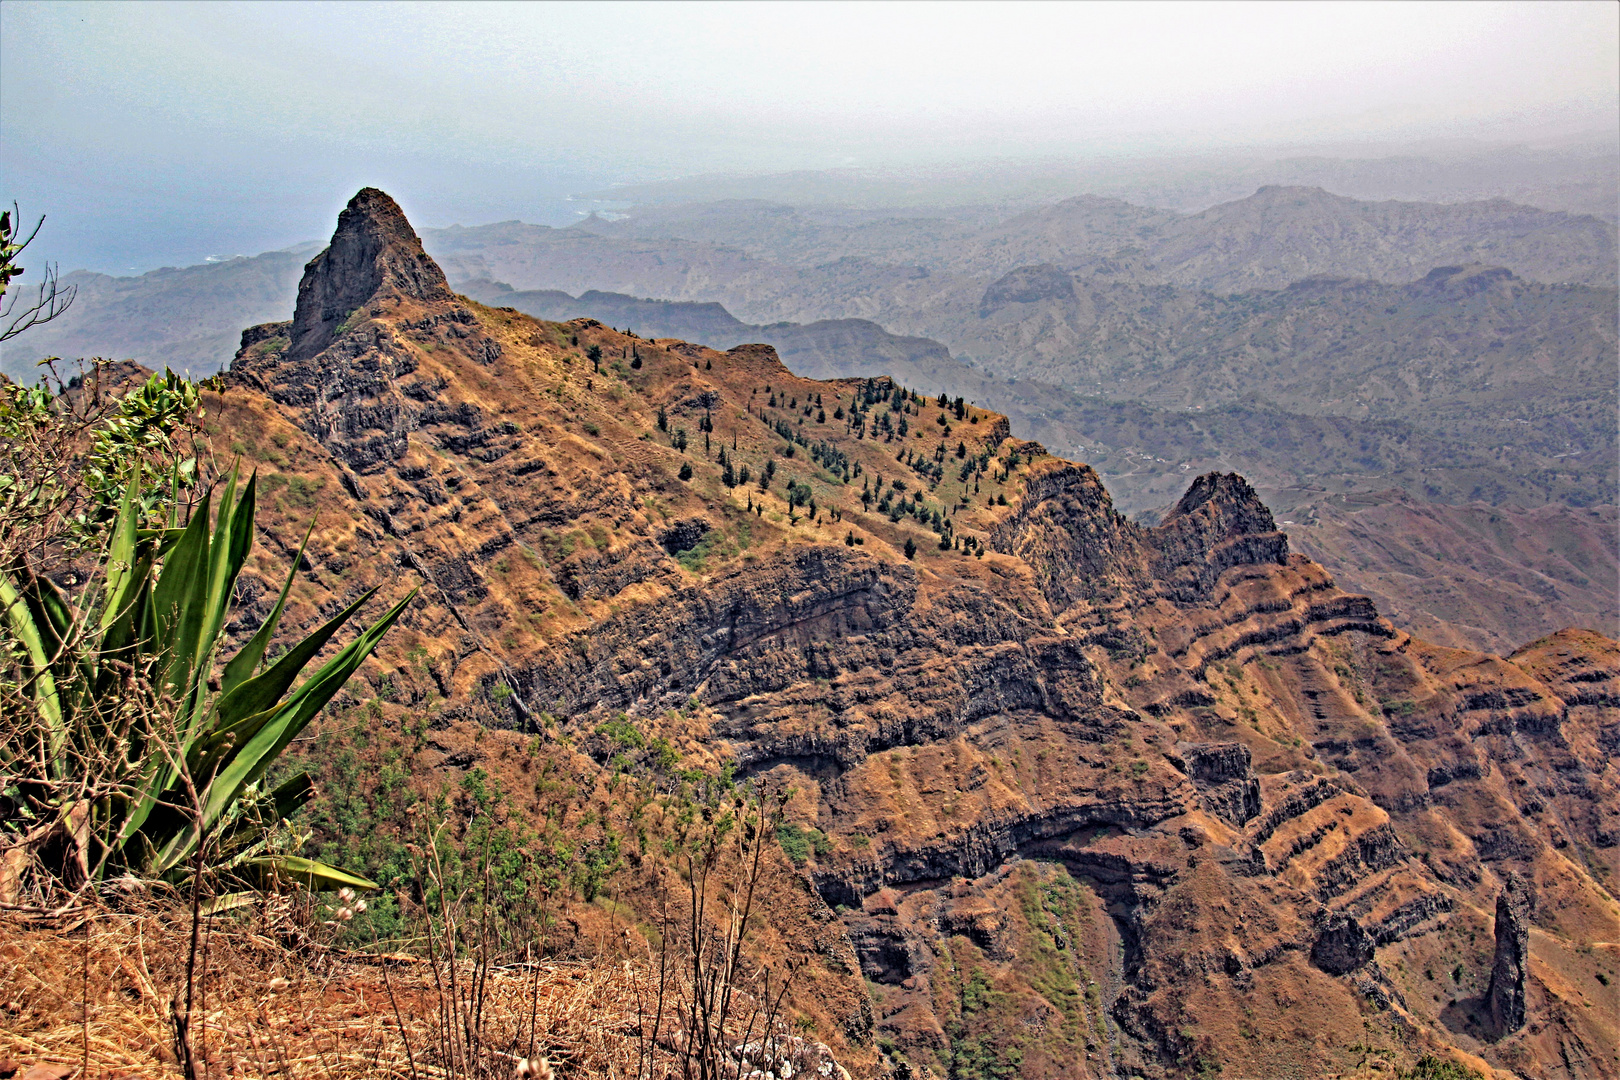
(342, 357)
(374, 256)
(1077, 797)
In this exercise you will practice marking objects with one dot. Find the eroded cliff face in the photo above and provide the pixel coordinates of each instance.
(1096, 799)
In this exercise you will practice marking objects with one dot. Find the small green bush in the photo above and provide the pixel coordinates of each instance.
(799, 843)
(1430, 1067)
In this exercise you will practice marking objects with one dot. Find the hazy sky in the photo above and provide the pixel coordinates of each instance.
(159, 133)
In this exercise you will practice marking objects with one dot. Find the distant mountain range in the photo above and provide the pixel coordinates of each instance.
(1580, 175)
(1461, 354)
(1275, 236)
(920, 275)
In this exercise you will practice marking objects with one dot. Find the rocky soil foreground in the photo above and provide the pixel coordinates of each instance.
(1090, 798)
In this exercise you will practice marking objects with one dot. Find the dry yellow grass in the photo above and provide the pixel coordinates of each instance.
(93, 992)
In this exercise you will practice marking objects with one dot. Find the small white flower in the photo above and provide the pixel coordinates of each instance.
(359, 905)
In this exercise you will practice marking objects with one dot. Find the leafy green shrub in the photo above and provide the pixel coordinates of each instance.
(1430, 1067)
(623, 732)
(799, 843)
(66, 455)
(127, 751)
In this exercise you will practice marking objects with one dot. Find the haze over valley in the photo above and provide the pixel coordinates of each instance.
(899, 542)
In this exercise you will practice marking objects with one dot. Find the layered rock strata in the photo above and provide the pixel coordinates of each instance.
(1093, 799)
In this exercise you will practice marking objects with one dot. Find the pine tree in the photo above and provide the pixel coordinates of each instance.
(911, 548)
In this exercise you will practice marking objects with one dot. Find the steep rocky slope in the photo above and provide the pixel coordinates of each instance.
(1088, 798)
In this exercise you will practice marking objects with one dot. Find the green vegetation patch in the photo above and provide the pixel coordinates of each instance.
(800, 843)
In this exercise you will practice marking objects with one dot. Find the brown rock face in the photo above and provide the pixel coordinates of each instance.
(375, 255)
(1510, 970)
(1089, 799)
(339, 361)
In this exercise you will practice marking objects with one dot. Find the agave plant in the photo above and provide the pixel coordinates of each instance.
(135, 754)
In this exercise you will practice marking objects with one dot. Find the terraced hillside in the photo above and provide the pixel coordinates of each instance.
(1070, 795)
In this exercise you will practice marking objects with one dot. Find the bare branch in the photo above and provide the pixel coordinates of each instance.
(51, 298)
(50, 301)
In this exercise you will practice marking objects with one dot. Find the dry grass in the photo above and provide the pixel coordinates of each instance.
(93, 993)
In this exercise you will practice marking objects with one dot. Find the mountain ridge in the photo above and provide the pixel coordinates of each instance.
(1121, 780)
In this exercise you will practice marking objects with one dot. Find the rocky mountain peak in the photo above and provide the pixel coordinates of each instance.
(366, 305)
(374, 254)
(1227, 502)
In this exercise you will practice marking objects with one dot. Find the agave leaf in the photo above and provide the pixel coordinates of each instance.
(52, 614)
(316, 875)
(233, 538)
(179, 595)
(121, 583)
(272, 733)
(292, 794)
(126, 593)
(54, 618)
(242, 665)
(149, 790)
(321, 687)
(263, 691)
(28, 635)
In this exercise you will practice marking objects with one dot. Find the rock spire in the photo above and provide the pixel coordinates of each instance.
(1506, 997)
(374, 255)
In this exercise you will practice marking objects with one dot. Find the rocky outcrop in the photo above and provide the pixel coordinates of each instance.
(1342, 946)
(684, 535)
(375, 257)
(1084, 552)
(1226, 785)
(1220, 523)
(1079, 547)
(340, 369)
(1510, 967)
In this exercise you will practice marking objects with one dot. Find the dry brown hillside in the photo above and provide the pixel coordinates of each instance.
(1070, 796)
